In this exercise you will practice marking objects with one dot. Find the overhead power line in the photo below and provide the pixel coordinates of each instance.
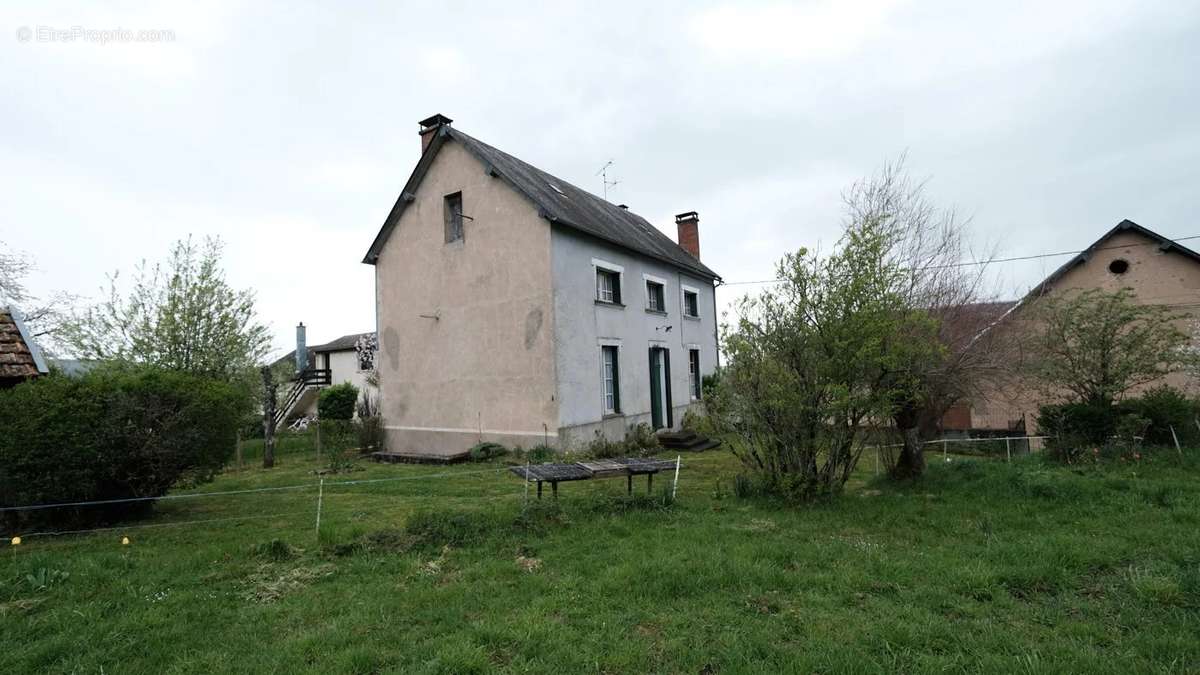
(973, 263)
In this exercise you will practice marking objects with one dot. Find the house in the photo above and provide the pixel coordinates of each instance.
(349, 358)
(1159, 270)
(20, 357)
(515, 307)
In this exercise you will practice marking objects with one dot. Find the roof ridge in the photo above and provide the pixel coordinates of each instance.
(557, 200)
(655, 243)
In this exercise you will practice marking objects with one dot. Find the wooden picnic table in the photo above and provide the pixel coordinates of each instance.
(601, 468)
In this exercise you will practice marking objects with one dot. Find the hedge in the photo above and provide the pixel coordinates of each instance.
(113, 433)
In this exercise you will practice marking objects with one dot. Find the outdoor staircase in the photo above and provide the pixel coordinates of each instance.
(686, 441)
(307, 379)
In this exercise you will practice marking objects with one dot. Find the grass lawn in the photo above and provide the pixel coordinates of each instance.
(983, 566)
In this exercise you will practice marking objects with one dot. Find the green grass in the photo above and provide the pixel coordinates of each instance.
(983, 566)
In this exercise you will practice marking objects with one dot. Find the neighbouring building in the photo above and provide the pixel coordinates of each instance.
(515, 307)
(1160, 271)
(349, 358)
(20, 357)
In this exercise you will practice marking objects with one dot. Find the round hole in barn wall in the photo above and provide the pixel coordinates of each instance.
(1118, 266)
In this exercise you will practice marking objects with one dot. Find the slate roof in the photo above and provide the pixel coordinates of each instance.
(556, 200)
(342, 344)
(20, 357)
(290, 358)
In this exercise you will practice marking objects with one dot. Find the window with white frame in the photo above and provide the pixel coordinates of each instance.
(691, 304)
(611, 376)
(654, 297)
(694, 373)
(608, 286)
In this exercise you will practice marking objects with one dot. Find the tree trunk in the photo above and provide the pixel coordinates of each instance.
(268, 419)
(911, 463)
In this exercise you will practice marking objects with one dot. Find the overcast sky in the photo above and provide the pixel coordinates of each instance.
(288, 130)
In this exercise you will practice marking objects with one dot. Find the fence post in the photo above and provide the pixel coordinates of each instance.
(676, 483)
(946, 449)
(320, 498)
(526, 480)
(1176, 439)
(239, 450)
(1008, 447)
(318, 440)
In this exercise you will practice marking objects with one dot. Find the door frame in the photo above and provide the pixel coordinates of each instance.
(660, 388)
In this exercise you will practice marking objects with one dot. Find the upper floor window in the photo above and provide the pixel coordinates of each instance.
(452, 213)
(691, 304)
(654, 297)
(608, 286)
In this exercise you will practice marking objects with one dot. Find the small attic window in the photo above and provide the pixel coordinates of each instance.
(1118, 266)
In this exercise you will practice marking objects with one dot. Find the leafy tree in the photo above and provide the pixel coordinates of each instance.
(181, 316)
(1094, 346)
(808, 360)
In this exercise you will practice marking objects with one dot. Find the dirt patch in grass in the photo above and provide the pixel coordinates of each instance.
(269, 584)
(530, 565)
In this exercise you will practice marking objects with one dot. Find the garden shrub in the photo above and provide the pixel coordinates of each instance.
(640, 440)
(112, 433)
(369, 425)
(482, 452)
(1078, 429)
(1077, 424)
(538, 454)
(337, 402)
(1164, 407)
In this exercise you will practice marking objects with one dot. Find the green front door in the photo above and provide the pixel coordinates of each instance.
(656, 393)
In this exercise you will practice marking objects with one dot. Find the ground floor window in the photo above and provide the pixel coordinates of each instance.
(694, 373)
(612, 382)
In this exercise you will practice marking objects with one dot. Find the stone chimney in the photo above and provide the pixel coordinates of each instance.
(688, 227)
(429, 129)
(301, 349)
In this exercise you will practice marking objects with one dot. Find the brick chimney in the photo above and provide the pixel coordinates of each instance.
(429, 128)
(688, 227)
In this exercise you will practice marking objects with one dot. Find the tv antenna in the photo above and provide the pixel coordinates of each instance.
(603, 173)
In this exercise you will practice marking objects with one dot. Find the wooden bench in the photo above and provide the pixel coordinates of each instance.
(601, 468)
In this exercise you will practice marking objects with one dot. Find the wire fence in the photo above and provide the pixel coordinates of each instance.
(328, 491)
(997, 447)
(323, 488)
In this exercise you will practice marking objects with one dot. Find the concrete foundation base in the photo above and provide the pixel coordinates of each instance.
(448, 443)
(614, 428)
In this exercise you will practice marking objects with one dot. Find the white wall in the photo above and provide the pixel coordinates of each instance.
(581, 326)
(343, 367)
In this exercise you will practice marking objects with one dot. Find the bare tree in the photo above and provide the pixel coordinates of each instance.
(943, 287)
(45, 317)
